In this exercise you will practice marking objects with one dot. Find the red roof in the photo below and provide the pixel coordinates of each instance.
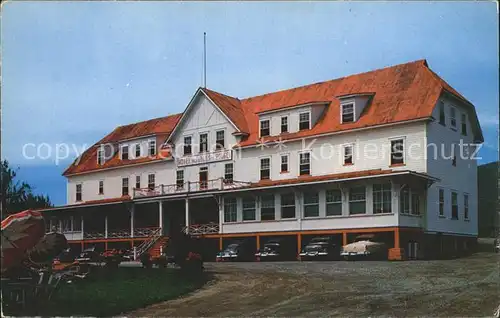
(121, 199)
(400, 93)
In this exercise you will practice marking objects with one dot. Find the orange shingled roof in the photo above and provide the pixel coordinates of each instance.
(160, 127)
(121, 199)
(231, 107)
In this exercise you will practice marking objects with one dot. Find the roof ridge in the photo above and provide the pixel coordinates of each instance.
(423, 61)
(143, 121)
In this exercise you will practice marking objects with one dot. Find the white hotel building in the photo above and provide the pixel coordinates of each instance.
(366, 153)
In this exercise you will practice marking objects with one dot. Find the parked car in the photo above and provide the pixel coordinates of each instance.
(90, 255)
(279, 249)
(320, 248)
(366, 246)
(237, 251)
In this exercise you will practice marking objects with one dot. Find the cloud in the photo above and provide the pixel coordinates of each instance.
(488, 120)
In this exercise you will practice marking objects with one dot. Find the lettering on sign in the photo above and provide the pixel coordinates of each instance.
(204, 158)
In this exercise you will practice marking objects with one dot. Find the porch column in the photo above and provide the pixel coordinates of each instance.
(344, 238)
(186, 210)
(257, 239)
(105, 226)
(132, 209)
(396, 237)
(299, 243)
(221, 213)
(81, 220)
(220, 243)
(160, 212)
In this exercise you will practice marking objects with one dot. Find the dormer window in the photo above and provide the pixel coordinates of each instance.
(453, 118)
(124, 153)
(137, 150)
(348, 113)
(152, 148)
(464, 125)
(304, 121)
(284, 124)
(442, 116)
(265, 128)
(100, 156)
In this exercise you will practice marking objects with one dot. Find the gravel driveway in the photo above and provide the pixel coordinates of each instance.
(461, 287)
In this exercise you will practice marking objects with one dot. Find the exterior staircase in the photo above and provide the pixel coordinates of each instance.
(155, 250)
(152, 245)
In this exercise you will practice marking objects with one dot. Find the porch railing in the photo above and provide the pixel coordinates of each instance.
(138, 232)
(189, 187)
(200, 229)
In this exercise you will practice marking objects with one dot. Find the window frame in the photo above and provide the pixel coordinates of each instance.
(304, 153)
(245, 209)
(101, 187)
(392, 153)
(187, 147)
(125, 186)
(153, 183)
(308, 113)
(310, 204)
(379, 198)
(442, 113)
(138, 181)
(287, 156)
(229, 176)
(454, 212)
(232, 215)
(288, 206)
(342, 113)
(351, 200)
(100, 156)
(284, 125)
(344, 156)
(453, 117)
(152, 147)
(463, 124)
(262, 207)
(203, 146)
(79, 192)
(441, 202)
(262, 120)
(261, 170)
(124, 152)
(179, 182)
(466, 206)
(333, 203)
(218, 144)
(138, 150)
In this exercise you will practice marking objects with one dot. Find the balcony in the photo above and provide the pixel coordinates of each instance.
(189, 187)
(118, 234)
(201, 229)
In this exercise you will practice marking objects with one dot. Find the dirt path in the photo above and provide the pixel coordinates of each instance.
(462, 287)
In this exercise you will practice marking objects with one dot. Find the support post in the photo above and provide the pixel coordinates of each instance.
(220, 243)
(83, 232)
(106, 226)
(132, 210)
(221, 213)
(299, 243)
(344, 238)
(257, 238)
(82, 245)
(160, 216)
(186, 210)
(396, 237)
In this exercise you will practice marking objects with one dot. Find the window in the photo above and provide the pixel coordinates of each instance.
(101, 187)
(219, 140)
(288, 206)
(464, 124)
(203, 142)
(124, 152)
(79, 192)
(333, 202)
(264, 128)
(311, 204)
(187, 145)
(442, 116)
(397, 152)
(404, 200)
(228, 173)
(100, 156)
(441, 202)
(382, 198)
(348, 113)
(137, 150)
(137, 182)
(284, 163)
(348, 155)
(265, 168)
(77, 223)
(248, 209)
(267, 208)
(203, 178)
(179, 179)
(305, 163)
(453, 119)
(230, 210)
(415, 203)
(454, 206)
(66, 225)
(124, 186)
(357, 200)
(466, 206)
(151, 181)
(304, 121)
(152, 148)
(284, 124)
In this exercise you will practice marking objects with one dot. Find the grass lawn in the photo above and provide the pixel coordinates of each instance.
(114, 292)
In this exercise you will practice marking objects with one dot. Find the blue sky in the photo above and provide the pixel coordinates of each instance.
(73, 71)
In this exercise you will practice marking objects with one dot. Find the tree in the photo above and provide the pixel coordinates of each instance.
(16, 195)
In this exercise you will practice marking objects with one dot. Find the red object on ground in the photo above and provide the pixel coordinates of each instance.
(20, 232)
